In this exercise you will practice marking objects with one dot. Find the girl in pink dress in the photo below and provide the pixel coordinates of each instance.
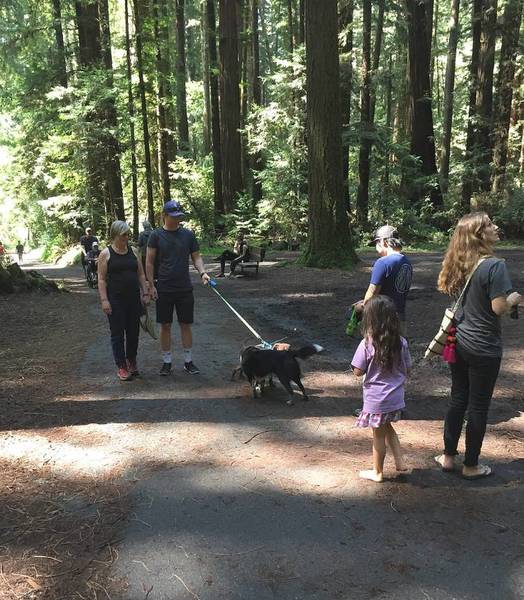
(383, 358)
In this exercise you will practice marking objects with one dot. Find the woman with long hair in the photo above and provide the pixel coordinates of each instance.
(478, 335)
(122, 287)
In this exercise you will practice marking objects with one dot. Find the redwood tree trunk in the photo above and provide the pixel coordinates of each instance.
(143, 109)
(215, 115)
(346, 89)
(230, 104)
(329, 241)
(484, 99)
(504, 90)
(422, 134)
(449, 89)
(365, 118)
(257, 96)
(131, 111)
(469, 173)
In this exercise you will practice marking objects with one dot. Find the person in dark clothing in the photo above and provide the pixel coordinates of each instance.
(122, 287)
(87, 241)
(20, 252)
(167, 265)
(240, 253)
(143, 239)
(478, 336)
(92, 261)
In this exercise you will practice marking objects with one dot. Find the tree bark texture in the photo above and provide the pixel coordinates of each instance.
(365, 118)
(484, 99)
(449, 92)
(257, 163)
(504, 89)
(422, 133)
(204, 48)
(346, 89)
(230, 104)
(469, 176)
(215, 114)
(143, 109)
(132, 136)
(329, 241)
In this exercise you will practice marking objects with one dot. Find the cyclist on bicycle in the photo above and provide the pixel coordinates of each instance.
(91, 263)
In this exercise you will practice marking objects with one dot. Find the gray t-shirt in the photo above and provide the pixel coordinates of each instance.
(173, 249)
(478, 329)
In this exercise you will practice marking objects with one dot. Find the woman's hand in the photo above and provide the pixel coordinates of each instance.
(106, 307)
(146, 298)
(515, 298)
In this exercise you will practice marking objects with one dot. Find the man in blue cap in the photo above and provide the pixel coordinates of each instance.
(167, 267)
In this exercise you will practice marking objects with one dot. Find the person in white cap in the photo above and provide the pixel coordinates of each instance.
(392, 273)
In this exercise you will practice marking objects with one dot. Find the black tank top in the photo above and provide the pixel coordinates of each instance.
(122, 272)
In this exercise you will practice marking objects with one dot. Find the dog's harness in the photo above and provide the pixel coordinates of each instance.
(263, 344)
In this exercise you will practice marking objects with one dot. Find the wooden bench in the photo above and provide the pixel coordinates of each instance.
(255, 257)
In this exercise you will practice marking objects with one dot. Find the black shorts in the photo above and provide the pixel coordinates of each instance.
(183, 302)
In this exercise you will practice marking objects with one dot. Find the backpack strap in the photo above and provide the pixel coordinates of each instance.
(466, 285)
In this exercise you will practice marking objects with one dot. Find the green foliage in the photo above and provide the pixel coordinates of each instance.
(277, 132)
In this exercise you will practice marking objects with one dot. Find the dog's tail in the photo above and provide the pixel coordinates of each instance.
(306, 351)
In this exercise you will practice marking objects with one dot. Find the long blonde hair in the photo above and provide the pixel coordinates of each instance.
(467, 245)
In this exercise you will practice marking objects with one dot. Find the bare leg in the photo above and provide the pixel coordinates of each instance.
(165, 337)
(393, 442)
(186, 335)
(379, 454)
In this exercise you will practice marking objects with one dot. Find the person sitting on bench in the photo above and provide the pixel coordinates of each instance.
(240, 253)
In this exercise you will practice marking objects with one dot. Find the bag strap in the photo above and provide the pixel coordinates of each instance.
(466, 285)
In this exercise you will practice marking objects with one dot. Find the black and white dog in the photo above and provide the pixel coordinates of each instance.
(259, 365)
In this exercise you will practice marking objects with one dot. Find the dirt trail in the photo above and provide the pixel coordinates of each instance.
(187, 488)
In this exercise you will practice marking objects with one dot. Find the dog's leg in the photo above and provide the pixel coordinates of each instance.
(237, 371)
(284, 380)
(301, 387)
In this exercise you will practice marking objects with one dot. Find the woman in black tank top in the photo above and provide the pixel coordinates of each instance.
(123, 288)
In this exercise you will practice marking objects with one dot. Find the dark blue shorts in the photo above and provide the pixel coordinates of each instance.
(167, 302)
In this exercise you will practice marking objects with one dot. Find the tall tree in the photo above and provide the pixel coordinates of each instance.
(257, 163)
(216, 144)
(131, 111)
(484, 99)
(419, 17)
(204, 50)
(143, 110)
(346, 88)
(504, 89)
(92, 19)
(290, 26)
(365, 117)
(329, 241)
(181, 76)
(449, 92)
(60, 46)
(469, 175)
(165, 144)
(230, 104)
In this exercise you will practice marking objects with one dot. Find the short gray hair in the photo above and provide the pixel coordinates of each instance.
(118, 228)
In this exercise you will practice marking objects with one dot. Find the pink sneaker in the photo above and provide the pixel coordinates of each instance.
(124, 374)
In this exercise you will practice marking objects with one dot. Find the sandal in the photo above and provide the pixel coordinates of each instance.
(440, 461)
(484, 471)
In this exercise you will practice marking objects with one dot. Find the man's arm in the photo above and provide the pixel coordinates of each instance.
(150, 271)
(198, 261)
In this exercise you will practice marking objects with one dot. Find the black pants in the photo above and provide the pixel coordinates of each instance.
(472, 382)
(233, 257)
(124, 323)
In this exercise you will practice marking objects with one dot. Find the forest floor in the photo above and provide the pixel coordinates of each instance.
(187, 488)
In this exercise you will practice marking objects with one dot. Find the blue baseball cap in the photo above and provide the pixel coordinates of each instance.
(174, 209)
